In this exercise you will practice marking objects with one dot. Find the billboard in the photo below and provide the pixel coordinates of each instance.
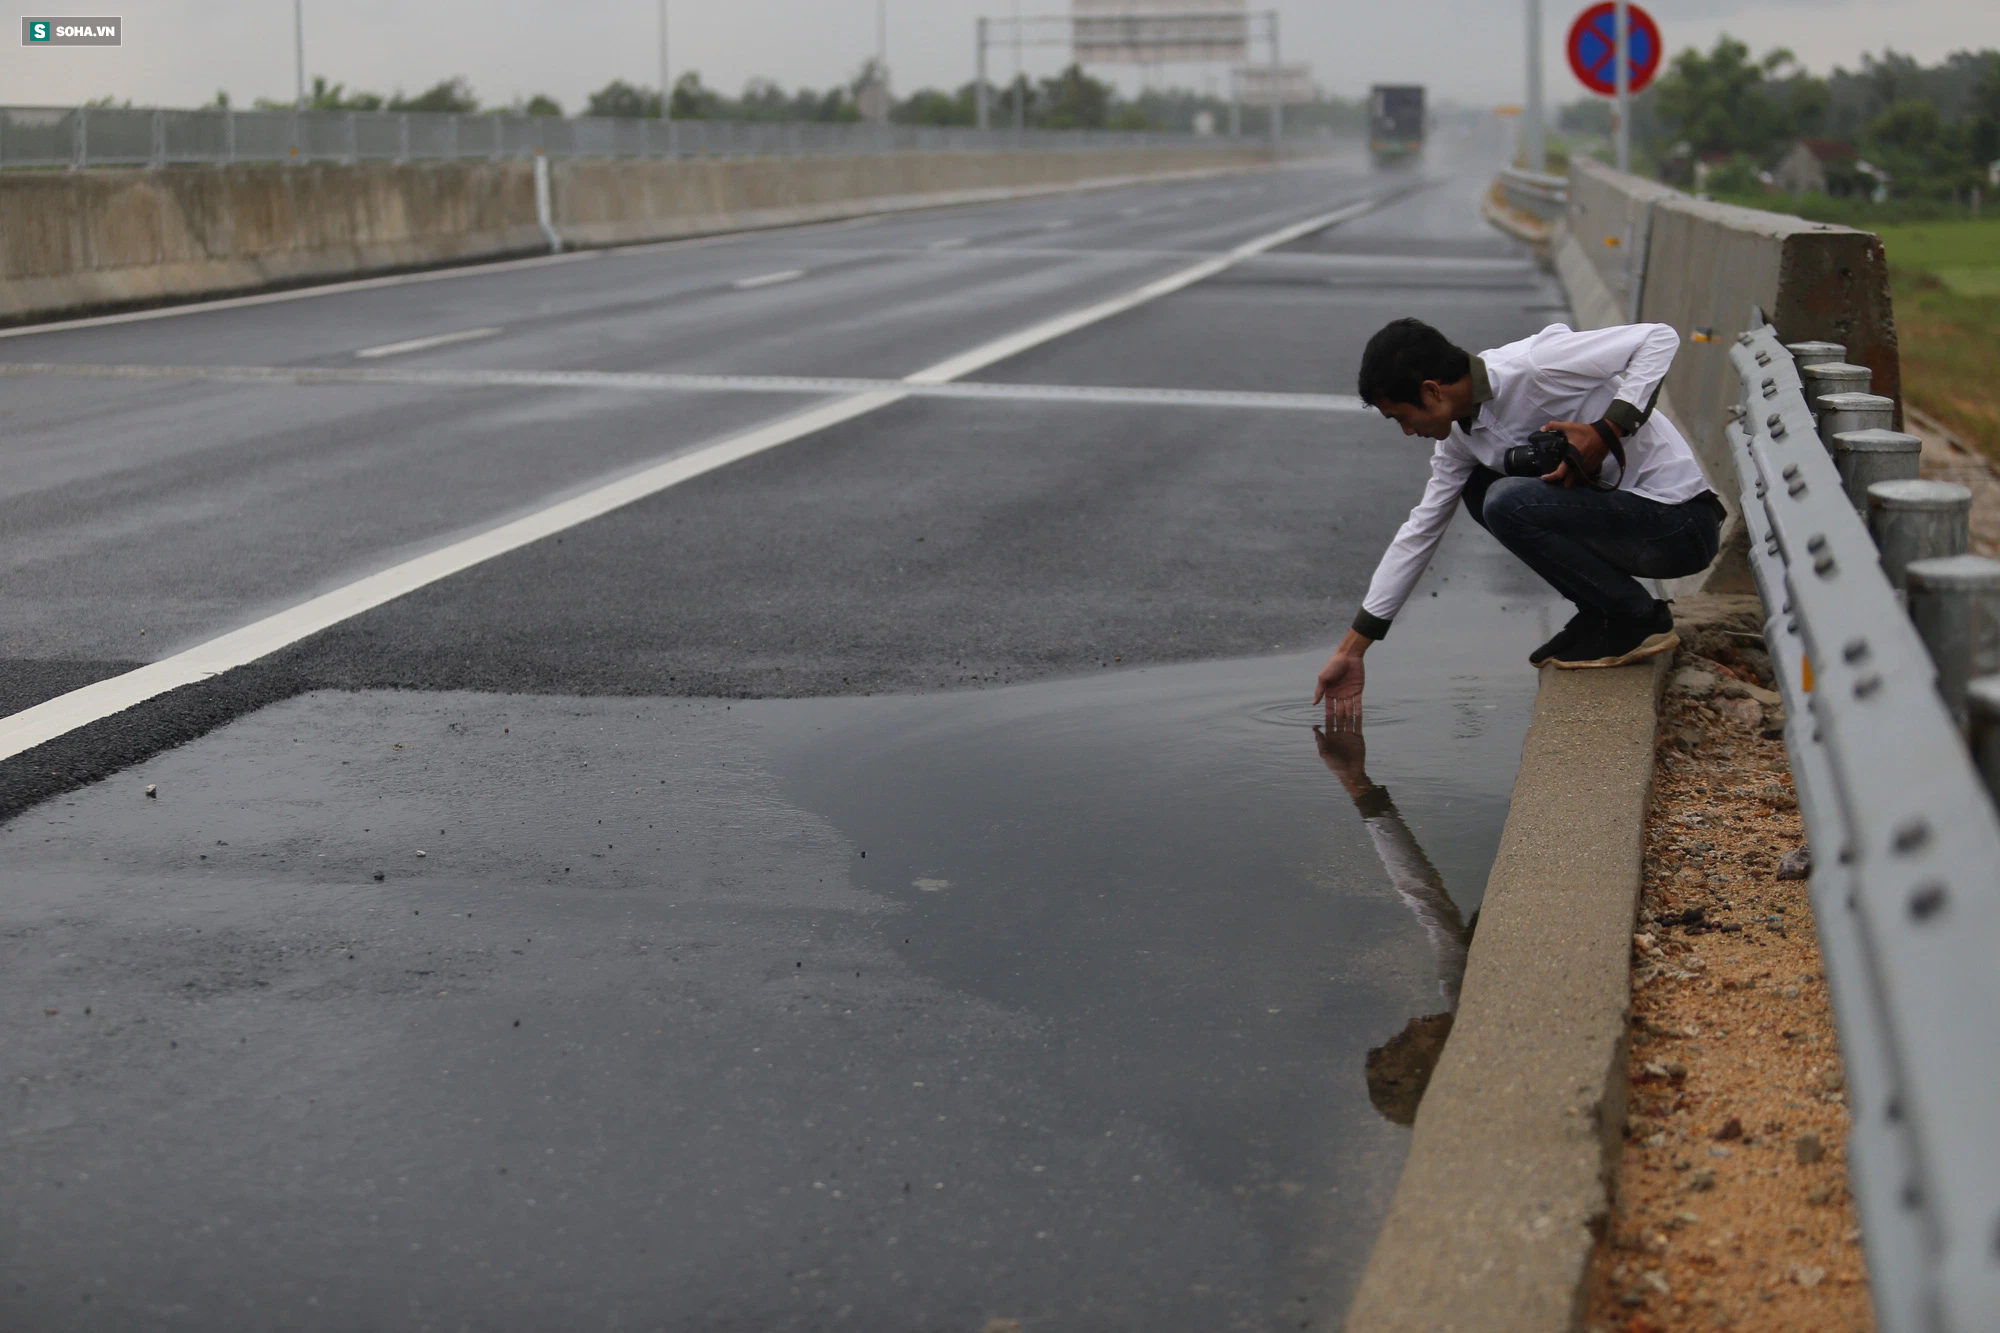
(1157, 32)
(1287, 85)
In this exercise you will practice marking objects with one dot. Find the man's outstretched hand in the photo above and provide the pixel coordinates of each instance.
(1340, 682)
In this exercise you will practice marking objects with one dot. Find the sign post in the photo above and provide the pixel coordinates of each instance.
(1614, 50)
(1622, 117)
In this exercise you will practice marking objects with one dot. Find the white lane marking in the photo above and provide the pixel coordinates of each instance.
(1000, 349)
(952, 244)
(664, 382)
(425, 344)
(65, 713)
(768, 279)
(301, 293)
(1060, 224)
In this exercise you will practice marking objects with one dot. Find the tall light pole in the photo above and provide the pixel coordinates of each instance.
(1535, 152)
(299, 49)
(666, 84)
(979, 80)
(1020, 112)
(882, 45)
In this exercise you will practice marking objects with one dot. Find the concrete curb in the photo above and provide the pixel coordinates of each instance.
(1507, 1182)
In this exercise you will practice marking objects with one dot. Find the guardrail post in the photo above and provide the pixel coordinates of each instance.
(157, 156)
(353, 138)
(1838, 412)
(229, 136)
(1982, 700)
(1823, 377)
(403, 138)
(79, 139)
(1865, 457)
(1917, 520)
(1817, 354)
(1955, 605)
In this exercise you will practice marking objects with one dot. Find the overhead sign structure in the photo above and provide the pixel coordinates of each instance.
(1593, 48)
(1159, 32)
(1282, 85)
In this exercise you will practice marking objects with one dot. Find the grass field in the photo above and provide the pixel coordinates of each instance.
(1945, 277)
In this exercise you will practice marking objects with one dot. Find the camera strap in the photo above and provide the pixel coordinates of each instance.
(1606, 433)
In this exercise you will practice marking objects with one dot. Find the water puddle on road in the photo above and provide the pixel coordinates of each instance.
(1242, 931)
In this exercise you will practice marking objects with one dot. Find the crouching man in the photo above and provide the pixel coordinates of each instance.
(1626, 501)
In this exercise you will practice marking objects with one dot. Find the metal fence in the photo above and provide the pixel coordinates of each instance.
(1532, 192)
(1905, 843)
(78, 137)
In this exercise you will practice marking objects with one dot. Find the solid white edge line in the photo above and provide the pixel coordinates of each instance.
(425, 343)
(47, 721)
(768, 279)
(664, 382)
(56, 717)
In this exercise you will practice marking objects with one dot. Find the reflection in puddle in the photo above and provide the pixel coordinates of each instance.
(1400, 1069)
(1195, 953)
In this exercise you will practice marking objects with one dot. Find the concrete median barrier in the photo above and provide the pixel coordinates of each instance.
(72, 241)
(611, 202)
(76, 241)
(1633, 249)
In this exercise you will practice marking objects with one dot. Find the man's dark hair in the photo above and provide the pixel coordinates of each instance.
(1402, 355)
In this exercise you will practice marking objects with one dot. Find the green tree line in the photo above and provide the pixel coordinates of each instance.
(1070, 100)
(1925, 132)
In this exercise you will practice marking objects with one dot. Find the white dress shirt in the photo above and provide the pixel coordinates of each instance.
(1555, 375)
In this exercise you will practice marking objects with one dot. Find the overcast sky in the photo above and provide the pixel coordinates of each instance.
(179, 52)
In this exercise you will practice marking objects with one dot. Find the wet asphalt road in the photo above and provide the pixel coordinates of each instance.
(1037, 986)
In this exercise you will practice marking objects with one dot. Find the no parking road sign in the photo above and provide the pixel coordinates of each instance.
(1593, 47)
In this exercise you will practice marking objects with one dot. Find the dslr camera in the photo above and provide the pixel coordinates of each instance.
(1545, 451)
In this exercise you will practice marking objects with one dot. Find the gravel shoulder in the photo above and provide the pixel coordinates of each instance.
(1731, 1202)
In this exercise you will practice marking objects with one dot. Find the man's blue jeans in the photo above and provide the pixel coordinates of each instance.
(1590, 544)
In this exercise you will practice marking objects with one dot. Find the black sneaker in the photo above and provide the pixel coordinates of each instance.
(1610, 643)
(1560, 643)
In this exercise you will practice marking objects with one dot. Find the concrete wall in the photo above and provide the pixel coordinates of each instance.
(1608, 219)
(71, 241)
(605, 202)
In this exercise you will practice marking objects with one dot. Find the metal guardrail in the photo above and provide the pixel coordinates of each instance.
(78, 137)
(1531, 192)
(1906, 866)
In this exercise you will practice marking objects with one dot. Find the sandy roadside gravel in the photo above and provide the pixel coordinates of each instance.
(1731, 1209)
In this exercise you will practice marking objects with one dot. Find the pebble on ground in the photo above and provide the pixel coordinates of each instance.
(1731, 1208)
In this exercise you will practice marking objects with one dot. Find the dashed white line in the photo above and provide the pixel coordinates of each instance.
(424, 344)
(46, 721)
(952, 244)
(768, 279)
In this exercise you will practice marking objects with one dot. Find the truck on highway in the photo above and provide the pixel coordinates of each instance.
(1395, 122)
